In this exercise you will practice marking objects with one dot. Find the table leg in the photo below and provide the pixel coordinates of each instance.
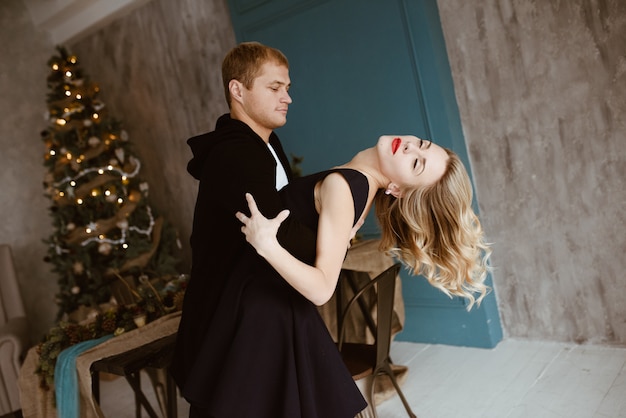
(95, 386)
(134, 380)
(172, 407)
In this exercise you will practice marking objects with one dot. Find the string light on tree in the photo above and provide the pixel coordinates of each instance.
(99, 205)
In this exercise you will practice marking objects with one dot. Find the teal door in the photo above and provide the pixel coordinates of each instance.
(360, 69)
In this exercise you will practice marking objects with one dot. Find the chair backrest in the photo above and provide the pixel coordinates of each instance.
(11, 305)
(386, 293)
(385, 285)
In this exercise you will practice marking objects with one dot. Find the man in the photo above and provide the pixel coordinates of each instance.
(241, 155)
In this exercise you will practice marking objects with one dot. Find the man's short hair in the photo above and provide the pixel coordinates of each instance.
(243, 63)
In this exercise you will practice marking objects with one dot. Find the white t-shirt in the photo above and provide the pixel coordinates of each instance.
(281, 175)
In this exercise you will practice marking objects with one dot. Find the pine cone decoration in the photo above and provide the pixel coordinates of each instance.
(109, 323)
(178, 300)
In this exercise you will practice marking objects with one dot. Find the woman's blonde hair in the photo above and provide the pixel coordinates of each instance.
(435, 232)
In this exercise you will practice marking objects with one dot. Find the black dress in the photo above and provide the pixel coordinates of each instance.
(267, 352)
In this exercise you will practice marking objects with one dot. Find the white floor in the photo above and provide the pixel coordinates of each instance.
(517, 379)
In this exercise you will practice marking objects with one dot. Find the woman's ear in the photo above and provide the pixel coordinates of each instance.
(393, 190)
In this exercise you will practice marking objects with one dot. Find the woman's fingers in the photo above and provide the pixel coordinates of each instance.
(255, 213)
(241, 217)
(284, 214)
(252, 204)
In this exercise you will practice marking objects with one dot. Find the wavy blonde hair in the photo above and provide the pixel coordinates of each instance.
(434, 231)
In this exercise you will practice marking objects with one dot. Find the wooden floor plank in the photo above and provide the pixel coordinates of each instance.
(614, 403)
(574, 384)
(516, 379)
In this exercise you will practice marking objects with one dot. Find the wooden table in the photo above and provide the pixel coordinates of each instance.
(153, 357)
(119, 353)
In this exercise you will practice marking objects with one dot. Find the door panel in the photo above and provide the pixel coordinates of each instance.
(360, 69)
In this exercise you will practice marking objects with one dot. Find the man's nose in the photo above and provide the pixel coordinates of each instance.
(287, 98)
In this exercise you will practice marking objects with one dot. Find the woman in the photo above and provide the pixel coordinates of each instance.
(423, 200)
(267, 351)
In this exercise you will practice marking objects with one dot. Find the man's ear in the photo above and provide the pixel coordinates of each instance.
(393, 190)
(236, 88)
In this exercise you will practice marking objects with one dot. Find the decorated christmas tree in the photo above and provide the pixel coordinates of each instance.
(106, 233)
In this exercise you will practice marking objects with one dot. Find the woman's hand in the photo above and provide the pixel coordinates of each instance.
(260, 231)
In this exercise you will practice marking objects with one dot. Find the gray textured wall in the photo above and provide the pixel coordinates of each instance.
(541, 91)
(541, 87)
(23, 207)
(159, 69)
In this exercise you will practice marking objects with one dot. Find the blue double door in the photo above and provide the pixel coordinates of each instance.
(361, 69)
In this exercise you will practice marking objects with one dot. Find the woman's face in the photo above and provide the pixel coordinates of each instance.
(410, 162)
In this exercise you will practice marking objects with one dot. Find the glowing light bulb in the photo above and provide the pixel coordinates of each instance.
(68, 93)
(79, 201)
(61, 122)
(79, 96)
(124, 246)
(73, 183)
(88, 230)
(68, 73)
(53, 152)
(100, 171)
(55, 66)
(95, 116)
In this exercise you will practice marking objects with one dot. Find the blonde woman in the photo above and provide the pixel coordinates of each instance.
(423, 199)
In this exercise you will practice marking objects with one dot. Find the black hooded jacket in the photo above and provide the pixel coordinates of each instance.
(228, 162)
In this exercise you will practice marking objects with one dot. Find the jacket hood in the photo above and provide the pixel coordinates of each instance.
(202, 145)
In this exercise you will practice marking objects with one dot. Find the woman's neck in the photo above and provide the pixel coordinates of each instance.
(366, 162)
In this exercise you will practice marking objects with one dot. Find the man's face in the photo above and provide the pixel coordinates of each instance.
(267, 101)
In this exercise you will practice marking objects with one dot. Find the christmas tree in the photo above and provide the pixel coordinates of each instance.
(106, 233)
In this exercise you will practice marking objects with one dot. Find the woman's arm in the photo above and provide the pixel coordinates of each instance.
(242, 164)
(336, 217)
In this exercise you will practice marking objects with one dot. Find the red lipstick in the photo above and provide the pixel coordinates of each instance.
(395, 144)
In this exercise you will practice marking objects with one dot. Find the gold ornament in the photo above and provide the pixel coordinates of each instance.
(78, 269)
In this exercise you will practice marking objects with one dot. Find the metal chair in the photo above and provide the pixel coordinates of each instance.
(14, 339)
(363, 359)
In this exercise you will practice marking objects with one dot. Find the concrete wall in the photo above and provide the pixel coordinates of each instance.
(159, 70)
(23, 207)
(541, 89)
